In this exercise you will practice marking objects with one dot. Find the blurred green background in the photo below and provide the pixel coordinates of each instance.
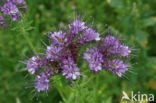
(135, 20)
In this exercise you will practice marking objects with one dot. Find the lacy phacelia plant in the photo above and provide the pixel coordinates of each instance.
(62, 55)
(11, 8)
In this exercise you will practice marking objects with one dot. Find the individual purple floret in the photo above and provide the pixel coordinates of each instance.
(58, 37)
(34, 63)
(90, 34)
(110, 44)
(1, 20)
(53, 52)
(117, 67)
(41, 82)
(11, 10)
(70, 70)
(94, 58)
(124, 50)
(77, 26)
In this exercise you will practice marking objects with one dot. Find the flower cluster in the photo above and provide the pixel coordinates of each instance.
(11, 8)
(62, 54)
(107, 55)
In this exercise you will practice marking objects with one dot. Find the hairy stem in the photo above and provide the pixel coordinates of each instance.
(25, 34)
(27, 39)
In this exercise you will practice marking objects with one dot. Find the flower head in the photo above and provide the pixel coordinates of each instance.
(94, 58)
(53, 52)
(19, 2)
(77, 26)
(90, 34)
(58, 38)
(124, 50)
(11, 10)
(117, 67)
(41, 82)
(101, 57)
(69, 69)
(34, 63)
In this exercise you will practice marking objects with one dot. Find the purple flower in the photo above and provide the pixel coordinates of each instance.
(34, 63)
(77, 26)
(110, 45)
(1, 20)
(94, 58)
(11, 10)
(66, 48)
(90, 34)
(117, 67)
(15, 1)
(70, 70)
(58, 38)
(124, 50)
(19, 2)
(41, 82)
(53, 52)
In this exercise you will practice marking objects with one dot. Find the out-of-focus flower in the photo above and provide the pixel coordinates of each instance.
(11, 10)
(124, 50)
(77, 26)
(18, 2)
(1, 20)
(90, 34)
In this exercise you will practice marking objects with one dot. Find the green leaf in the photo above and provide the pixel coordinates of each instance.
(148, 22)
(142, 38)
(116, 3)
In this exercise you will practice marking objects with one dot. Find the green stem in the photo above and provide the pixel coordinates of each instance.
(82, 85)
(77, 93)
(61, 93)
(25, 34)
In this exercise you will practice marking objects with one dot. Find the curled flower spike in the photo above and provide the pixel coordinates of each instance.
(110, 48)
(117, 67)
(62, 54)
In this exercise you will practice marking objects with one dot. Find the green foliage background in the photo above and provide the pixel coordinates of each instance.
(135, 20)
